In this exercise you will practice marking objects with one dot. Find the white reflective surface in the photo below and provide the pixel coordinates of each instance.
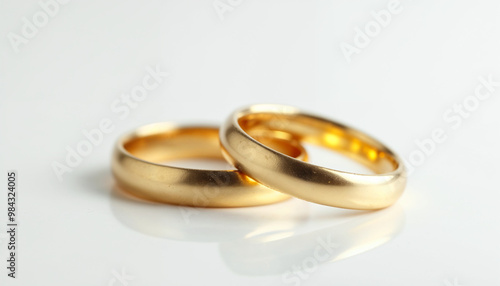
(425, 70)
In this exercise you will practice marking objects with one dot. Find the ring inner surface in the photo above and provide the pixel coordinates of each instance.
(318, 131)
(158, 146)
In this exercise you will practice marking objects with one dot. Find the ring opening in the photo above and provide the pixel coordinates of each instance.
(158, 145)
(318, 131)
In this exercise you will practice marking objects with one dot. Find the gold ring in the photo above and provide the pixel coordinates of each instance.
(137, 168)
(304, 180)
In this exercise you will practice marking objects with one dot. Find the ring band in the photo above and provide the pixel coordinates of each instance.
(307, 181)
(137, 169)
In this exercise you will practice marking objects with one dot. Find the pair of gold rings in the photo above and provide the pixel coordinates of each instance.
(264, 143)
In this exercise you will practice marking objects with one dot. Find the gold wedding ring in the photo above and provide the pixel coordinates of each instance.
(304, 180)
(137, 168)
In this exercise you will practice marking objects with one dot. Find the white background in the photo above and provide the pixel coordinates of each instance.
(64, 79)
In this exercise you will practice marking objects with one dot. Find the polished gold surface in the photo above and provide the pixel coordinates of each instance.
(138, 169)
(304, 180)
